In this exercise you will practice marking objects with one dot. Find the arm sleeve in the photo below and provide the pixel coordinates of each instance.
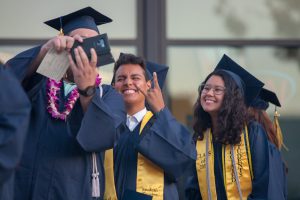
(20, 65)
(268, 167)
(260, 161)
(277, 179)
(95, 130)
(168, 144)
(21, 62)
(192, 191)
(14, 119)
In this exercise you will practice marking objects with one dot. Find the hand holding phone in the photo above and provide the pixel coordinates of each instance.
(100, 44)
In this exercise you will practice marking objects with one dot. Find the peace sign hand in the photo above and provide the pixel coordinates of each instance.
(154, 96)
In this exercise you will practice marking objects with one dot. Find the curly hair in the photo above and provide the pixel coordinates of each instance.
(232, 115)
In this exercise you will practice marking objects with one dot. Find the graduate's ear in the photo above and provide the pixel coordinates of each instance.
(149, 84)
(113, 82)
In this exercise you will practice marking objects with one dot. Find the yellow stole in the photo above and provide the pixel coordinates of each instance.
(150, 178)
(110, 189)
(242, 168)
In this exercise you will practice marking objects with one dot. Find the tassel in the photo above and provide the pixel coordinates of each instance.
(278, 131)
(61, 31)
(95, 177)
(95, 185)
(95, 172)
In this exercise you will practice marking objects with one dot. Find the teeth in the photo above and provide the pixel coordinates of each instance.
(209, 101)
(129, 91)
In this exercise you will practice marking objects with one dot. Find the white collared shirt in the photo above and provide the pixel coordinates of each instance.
(134, 120)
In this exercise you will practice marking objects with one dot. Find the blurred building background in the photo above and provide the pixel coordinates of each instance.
(189, 36)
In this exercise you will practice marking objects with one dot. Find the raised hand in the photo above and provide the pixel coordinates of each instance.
(84, 70)
(60, 43)
(154, 96)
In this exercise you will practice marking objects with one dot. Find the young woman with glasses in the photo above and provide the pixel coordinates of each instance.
(232, 152)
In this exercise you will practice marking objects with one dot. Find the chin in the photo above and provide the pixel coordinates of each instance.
(209, 110)
(130, 101)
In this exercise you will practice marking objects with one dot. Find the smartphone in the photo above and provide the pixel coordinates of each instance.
(100, 44)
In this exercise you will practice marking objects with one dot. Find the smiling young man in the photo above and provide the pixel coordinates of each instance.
(154, 149)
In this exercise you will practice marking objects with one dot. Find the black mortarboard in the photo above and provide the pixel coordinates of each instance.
(249, 84)
(269, 96)
(265, 96)
(83, 18)
(161, 71)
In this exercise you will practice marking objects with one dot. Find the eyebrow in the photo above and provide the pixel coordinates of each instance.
(136, 75)
(213, 85)
(120, 76)
(132, 75)
(82, 36)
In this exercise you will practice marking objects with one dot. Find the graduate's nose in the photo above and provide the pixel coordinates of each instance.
(210, 92)
(128, 81)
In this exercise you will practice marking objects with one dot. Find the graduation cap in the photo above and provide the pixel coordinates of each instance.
(161, 71)
(83, 18)
(248, 83)
(262, 102)
(269, 96)
(264, 98)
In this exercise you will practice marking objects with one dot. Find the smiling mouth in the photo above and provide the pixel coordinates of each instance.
(209, 101)
(129, 91)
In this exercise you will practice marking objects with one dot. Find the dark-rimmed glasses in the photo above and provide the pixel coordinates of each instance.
(217, 90)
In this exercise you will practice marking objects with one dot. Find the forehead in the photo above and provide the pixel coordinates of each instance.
(83, 32)
(129, 69)
(215, 80)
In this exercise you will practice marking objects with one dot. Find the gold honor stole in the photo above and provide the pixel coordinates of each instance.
(110, 189)
(237, 172)
(150, 178)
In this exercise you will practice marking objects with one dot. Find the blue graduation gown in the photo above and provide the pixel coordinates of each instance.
(14, 120)
(57, 162)
(266, 163)
(163, 141)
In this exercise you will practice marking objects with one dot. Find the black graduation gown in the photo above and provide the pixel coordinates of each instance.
(163, 141)
(265, 162)
(14, 120)
(56, 162)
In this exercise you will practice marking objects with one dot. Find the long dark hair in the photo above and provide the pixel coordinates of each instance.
(263, 118)
(232, 115)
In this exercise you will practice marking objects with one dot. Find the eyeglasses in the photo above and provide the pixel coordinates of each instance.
(217, 90)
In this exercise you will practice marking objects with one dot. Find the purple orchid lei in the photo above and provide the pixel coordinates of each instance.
(53, 88)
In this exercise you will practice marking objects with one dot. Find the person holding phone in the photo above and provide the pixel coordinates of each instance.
(72, 121)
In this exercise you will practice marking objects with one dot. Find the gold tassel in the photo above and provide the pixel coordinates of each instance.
(278, 131)
(61, 32)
